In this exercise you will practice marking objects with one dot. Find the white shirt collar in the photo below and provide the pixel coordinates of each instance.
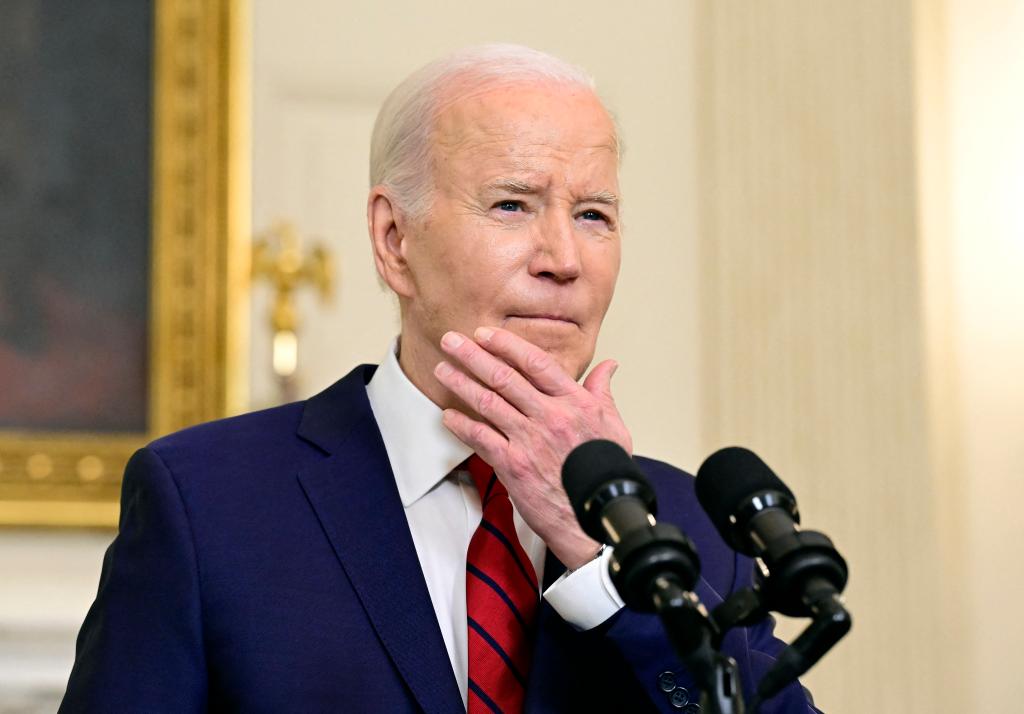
(421, 450)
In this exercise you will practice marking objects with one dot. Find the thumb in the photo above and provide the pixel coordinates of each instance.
(599, 381)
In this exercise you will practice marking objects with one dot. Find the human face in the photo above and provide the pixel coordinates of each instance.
(523, 232)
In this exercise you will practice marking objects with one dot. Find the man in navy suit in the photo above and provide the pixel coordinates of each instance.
(313, 557)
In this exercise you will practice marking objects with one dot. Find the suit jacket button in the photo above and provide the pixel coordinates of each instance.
(691, 709)
(679, 698)
(667, 681)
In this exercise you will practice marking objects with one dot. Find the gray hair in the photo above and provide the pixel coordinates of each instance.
(400, 149)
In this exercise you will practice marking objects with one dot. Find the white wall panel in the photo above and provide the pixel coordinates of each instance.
(986, 93)
(314, 164)
(812, 326)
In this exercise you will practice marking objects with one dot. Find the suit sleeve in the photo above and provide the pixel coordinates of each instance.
(140, 647)
(761, 648)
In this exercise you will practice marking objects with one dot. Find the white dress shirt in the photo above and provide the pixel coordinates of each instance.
(443, 509)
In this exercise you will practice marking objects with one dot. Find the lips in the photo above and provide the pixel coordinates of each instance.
(554, 317)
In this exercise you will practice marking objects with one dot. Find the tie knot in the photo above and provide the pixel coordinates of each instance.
(487, 484)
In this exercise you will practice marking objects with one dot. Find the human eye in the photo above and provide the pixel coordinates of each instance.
(509, 206)
(595, 217)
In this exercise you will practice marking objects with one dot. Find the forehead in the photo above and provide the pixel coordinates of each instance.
(527, 128)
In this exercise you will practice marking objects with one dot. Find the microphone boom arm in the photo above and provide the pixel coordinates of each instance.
(830, 621)
(688, 628)
(655, 569)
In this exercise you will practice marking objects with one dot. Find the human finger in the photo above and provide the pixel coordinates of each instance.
(599, 381)
(493, 372)
(536, 364)
(486, 402)
(486, 441)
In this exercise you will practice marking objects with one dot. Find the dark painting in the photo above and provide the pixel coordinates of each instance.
(75, 191)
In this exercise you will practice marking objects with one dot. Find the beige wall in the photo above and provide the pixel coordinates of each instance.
(861, 246)
(986, 168)
(822, 207)
(321, 71)
(777, 201)
(47, 582)
(812, 330)
(822, 199)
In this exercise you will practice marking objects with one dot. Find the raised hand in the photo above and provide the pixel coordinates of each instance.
(528, 414)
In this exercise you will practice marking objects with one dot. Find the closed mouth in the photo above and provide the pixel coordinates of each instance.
(545, 316)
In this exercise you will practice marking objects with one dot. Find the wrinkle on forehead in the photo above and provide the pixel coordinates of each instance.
(517, 186)
(543, 136)
(513, 122)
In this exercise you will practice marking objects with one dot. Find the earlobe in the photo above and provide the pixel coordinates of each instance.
(387, 236)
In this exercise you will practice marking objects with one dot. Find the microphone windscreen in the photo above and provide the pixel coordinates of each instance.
(729, 477)
(593, 464)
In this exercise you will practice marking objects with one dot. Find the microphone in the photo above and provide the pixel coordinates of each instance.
(653, 566)
(756, 514)
(801, 572)
(615, 504)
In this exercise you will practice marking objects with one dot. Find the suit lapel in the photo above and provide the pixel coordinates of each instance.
(354, 495)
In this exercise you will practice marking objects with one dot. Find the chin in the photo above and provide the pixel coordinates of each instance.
(571, 359)
(547, 333)
(576, 368)
(564, 341)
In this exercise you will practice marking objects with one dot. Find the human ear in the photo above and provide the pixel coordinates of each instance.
(387, 237)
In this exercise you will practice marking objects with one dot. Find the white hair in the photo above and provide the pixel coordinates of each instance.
(400, 149)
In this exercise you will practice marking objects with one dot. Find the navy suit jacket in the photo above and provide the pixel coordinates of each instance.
(264, 564)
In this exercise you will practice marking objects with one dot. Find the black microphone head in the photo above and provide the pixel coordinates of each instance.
(728, 479)
(591, 466)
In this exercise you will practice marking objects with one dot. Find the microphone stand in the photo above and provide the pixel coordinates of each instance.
(807, 578)
(651, 568)
(689, 630)
(653, 565)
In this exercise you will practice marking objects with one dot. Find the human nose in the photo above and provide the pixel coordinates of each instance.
(557, 255)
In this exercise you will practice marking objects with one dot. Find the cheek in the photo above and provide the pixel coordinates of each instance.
(604, 271)
(487, 262)
(464, 270)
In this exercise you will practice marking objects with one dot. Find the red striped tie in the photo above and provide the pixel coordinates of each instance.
(501, 602)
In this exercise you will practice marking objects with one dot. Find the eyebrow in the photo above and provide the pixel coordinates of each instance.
(604, 197)
(512, 185)
(518, 187)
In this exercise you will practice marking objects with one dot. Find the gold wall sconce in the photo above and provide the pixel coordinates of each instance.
(278, 258)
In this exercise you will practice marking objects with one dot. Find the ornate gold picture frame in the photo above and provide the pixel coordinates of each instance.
(199, 272)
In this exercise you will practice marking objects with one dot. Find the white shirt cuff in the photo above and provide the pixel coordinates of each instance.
(586, 597)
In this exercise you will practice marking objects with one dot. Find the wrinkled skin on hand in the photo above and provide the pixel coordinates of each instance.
(525, 414)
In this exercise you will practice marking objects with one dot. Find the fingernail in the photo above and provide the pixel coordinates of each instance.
(483, 334)
(615, 368)
(451, 340)
(442, 369)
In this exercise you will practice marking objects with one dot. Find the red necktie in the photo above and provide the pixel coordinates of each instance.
(501, 602)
